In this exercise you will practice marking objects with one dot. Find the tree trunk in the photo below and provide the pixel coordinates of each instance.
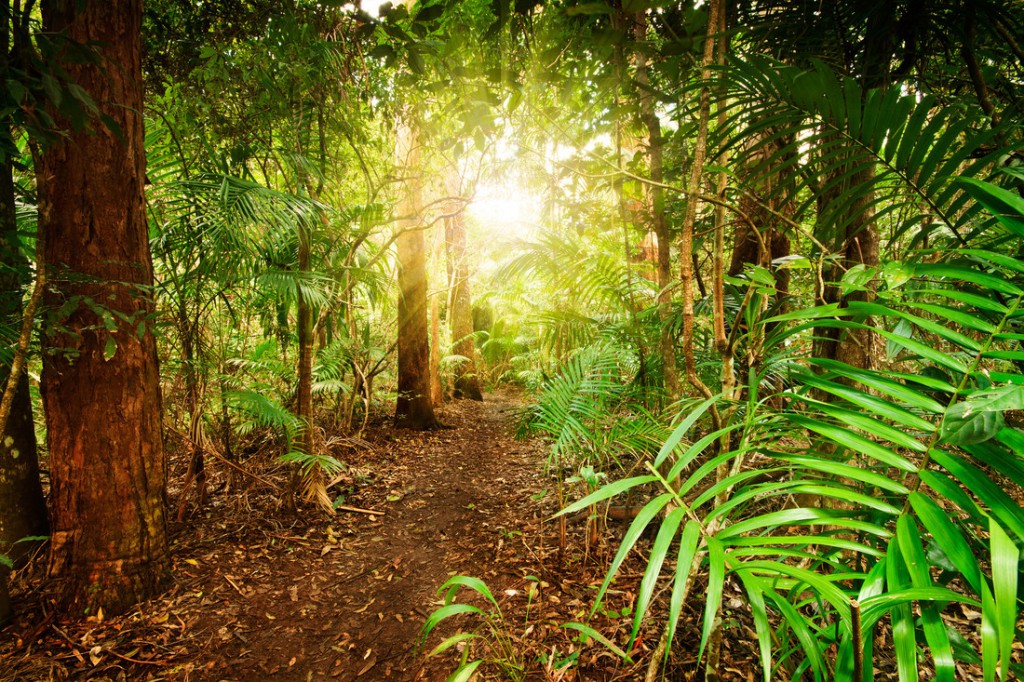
(660, 226)
(436, 390)
(460, 310)
(100, 381)
(413, 409)
(853, 235)
(304, 329)
(22, 507)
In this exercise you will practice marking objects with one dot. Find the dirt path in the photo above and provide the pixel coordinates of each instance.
(260, 594)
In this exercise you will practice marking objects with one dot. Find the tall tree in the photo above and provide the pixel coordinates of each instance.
(656, 195)
(100, 380)
(460, 312)
(414, 408)
(22, 507)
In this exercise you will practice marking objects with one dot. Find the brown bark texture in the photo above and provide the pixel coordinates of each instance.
(22, 507)
(760, 237)
(304, 328)
(436, 390)
(460, 312)
(100, 380)
(413, 409)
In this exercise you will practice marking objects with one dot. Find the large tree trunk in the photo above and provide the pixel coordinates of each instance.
(100, 382)
(413, 409)
(460, 310)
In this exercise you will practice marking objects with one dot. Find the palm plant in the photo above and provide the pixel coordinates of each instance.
(913, 471)
(863, 481)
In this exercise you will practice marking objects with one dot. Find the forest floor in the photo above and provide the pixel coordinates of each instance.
(260, 592)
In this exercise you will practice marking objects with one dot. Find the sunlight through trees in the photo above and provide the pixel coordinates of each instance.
(748, 276)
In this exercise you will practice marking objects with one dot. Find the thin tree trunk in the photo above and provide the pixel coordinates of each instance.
(694, 190)
(101, 389)
(858, 244)
(436, 391)
(413, 408)
(22, 507)
(466, 382)
(304, 327)
(660, 226)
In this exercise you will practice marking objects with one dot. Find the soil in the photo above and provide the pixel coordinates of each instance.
(261, 592)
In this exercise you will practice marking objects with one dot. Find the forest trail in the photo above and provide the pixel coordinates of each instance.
(259, 594)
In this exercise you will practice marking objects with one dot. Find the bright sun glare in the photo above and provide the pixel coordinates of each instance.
(505, 210)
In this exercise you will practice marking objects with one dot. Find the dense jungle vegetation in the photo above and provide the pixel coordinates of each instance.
(755, 270)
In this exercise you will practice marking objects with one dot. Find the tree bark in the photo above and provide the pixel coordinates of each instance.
(436, 390)
(660, 227)
(100, 381)
(413, 409)
(304, 329)
(460, 310)
(693, 192)
(22, 507)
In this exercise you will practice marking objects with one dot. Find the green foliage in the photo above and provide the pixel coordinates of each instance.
(825, 132)
(584, 413)
(868, 493)
(492, 633)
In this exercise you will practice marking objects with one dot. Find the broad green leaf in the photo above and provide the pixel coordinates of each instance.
(666, 535)
(854, 442)
(446, 612)
(640, 523)
(465, 672)
(949, 538)
(713, 596)
(598, 637)
(606, 492)
(452, 585)
(687, 552)
(1005, 572)
(964, 424)
(934, 627)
